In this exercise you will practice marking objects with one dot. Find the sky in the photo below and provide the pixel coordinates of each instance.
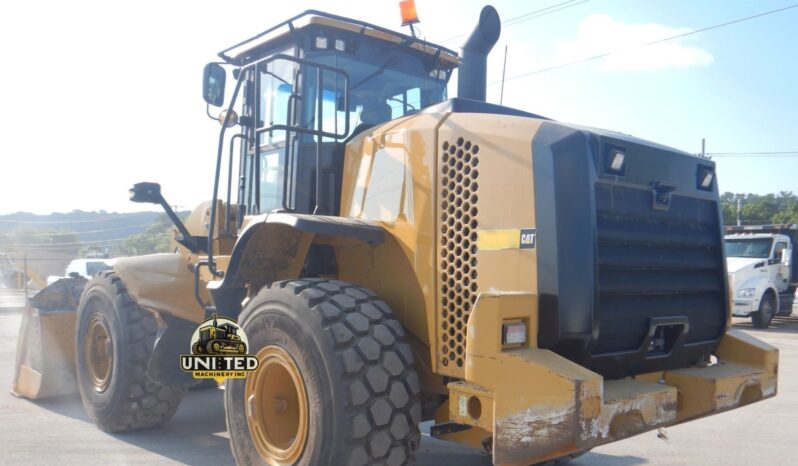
(97, 96)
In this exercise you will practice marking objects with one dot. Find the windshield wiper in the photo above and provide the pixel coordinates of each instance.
(376, 72)
(409, 106)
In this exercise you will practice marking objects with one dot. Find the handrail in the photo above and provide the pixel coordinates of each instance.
(230, 182)
(219, 152)
(318, 132)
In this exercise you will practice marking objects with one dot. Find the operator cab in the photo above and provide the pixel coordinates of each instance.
(303, 90)
(758, 246)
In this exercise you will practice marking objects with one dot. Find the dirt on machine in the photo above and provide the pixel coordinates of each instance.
(395, 255)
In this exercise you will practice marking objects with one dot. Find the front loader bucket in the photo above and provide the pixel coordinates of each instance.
(45, 362)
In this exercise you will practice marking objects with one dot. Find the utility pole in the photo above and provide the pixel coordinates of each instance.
(25, 276)
(504, 70)
(703, 147)
(739, 210)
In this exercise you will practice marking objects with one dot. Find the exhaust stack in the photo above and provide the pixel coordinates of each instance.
(472, 77)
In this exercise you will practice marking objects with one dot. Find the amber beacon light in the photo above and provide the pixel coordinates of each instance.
(408, 10)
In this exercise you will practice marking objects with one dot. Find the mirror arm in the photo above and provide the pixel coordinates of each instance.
(174, 218)
(208, 112)
(193, 243)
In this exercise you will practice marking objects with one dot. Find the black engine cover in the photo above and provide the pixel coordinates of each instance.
(631, 271)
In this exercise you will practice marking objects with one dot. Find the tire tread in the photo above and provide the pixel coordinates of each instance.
(148, 403)
(373, 361)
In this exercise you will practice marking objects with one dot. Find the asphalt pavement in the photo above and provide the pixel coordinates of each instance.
(57, 431)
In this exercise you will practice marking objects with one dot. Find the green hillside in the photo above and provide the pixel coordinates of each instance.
(49, 242)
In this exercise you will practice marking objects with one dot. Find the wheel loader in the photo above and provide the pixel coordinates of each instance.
(394, 255)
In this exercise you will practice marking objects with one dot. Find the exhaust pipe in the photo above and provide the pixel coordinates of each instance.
(472, 77)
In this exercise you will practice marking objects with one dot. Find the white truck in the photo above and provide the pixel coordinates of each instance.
(86, 268)
(760, 261)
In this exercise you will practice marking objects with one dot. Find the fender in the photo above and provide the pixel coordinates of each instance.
(162, 283)
(778, 298)
(274, 246)
(761, 285)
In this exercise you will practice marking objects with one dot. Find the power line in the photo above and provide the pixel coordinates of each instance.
(60, 245)
(55, 222)
(528, 16)
(543, 12)
(654, 42)
(41, 259)
(65, 233)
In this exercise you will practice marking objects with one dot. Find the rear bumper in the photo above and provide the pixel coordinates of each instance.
(536, 405)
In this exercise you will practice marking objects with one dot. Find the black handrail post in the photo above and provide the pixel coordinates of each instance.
(256, 159)
(320, 127)
(230, 182)
(219, 153)
(292, 99)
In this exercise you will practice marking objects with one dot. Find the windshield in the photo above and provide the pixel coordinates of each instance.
(749, 247)
(93, 268)
(386, 84)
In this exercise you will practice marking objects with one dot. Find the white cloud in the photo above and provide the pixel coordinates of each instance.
(600, 34)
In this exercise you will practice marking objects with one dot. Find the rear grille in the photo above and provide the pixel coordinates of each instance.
(655, 263)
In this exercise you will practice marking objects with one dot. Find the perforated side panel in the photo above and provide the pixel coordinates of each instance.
(458, 261)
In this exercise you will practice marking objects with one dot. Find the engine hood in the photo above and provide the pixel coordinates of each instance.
(735, 264)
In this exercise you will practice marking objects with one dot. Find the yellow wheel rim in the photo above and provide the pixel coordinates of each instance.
(98, 353)
(277, 407)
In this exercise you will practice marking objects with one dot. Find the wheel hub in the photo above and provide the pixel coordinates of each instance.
(277, 407)
(98, 353)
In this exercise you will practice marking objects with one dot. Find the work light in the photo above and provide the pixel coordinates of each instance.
(616, 159)
(704, 178)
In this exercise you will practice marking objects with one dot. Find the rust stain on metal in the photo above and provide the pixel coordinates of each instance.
(623, 418)
(533, 433)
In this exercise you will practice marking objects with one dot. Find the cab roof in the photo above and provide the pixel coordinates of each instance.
(241, 53)
(754, 235)
(774, 228)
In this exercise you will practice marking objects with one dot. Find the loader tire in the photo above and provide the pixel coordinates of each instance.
(126, 399)
(339, 348)
(767, 309)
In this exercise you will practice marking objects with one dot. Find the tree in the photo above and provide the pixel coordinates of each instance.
(157, 238)
(760, 209)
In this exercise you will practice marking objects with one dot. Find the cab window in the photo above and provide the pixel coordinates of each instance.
(276, 89)
(406, 103)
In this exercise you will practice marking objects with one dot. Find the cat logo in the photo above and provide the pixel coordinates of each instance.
(528, 238)
(218, 351)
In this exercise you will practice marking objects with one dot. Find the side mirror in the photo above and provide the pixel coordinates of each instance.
(149, 193)
(213, 79)
(785, 257)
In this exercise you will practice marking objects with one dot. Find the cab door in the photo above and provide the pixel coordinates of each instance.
(779, 270)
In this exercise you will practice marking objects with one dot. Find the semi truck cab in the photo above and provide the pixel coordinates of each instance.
(760, 260)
